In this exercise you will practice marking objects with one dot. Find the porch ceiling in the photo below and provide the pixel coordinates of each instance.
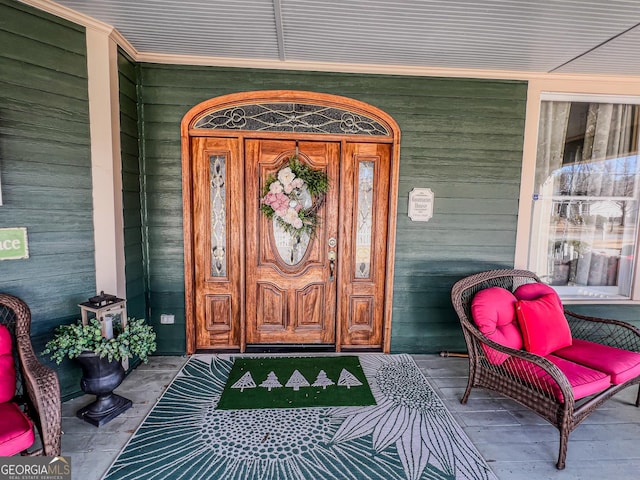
(564, 36)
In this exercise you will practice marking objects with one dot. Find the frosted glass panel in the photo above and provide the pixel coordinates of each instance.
(218, 206)
(364, 220)
(292, 247)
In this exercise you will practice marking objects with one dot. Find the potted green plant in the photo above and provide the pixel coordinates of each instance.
(136, 339)
(100, 358)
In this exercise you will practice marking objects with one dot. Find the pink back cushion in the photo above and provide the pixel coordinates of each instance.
(531, 291)
(493, 311)
(544, 327)
(7, 367)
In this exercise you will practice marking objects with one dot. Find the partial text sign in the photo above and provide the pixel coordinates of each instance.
(13, 243)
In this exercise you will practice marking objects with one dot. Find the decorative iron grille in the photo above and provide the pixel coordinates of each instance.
(292, 117)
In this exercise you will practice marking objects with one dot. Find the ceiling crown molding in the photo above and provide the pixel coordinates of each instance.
(377, 69)
(299, 65)
(84, 20)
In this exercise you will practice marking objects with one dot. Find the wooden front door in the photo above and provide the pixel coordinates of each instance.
(249, 283)
(254, 283)
(290, 279)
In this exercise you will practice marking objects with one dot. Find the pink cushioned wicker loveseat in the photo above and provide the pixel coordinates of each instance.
(524, 345)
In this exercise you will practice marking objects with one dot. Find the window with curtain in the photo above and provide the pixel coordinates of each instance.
(586, 197)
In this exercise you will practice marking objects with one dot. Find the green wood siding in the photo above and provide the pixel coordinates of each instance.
(46, 167)
(46, 164)
(131, 187)
(460, 137)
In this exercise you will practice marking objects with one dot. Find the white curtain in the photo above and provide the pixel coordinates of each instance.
(552, 130)
(608, 139)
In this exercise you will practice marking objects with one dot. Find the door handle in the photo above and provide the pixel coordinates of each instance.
(332, 265)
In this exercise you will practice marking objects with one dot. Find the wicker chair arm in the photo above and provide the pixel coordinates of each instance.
(44, 396)
(614, 333)
(534, 371)
(43, 389)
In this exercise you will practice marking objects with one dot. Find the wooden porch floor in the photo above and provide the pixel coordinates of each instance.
(516, 443)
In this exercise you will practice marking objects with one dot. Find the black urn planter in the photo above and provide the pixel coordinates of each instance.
(100, 377)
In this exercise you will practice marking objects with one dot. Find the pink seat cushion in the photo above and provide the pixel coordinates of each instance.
(493, 311)
(584, 381)
(622, 365)
(16, 430)
(7, 367)
(544, 327)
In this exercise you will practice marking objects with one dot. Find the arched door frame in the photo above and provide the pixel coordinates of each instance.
(362, 122)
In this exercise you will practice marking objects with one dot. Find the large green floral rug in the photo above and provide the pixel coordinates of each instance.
(408, 434)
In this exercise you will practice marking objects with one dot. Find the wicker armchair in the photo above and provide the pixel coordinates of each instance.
(37, 387)
(543, 387)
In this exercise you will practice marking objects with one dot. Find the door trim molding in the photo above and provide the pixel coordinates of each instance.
(244, 99)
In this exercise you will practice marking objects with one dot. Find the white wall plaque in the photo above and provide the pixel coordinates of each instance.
(420, 204)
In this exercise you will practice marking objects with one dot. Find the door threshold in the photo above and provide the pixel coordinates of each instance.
(289, 347)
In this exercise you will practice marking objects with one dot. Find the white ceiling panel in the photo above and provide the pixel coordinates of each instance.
(620, 56)
(514, 35)
(224, 28)
(573, 36)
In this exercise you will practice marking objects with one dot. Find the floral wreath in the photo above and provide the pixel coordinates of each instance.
(282, 197)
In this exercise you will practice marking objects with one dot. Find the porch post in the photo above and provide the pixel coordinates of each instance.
(106, 165)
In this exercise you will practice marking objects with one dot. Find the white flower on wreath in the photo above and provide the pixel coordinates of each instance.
(292, 218)
(286, 176)
(275, 187)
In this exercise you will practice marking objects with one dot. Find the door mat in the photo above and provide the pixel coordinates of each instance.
(296, 382)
